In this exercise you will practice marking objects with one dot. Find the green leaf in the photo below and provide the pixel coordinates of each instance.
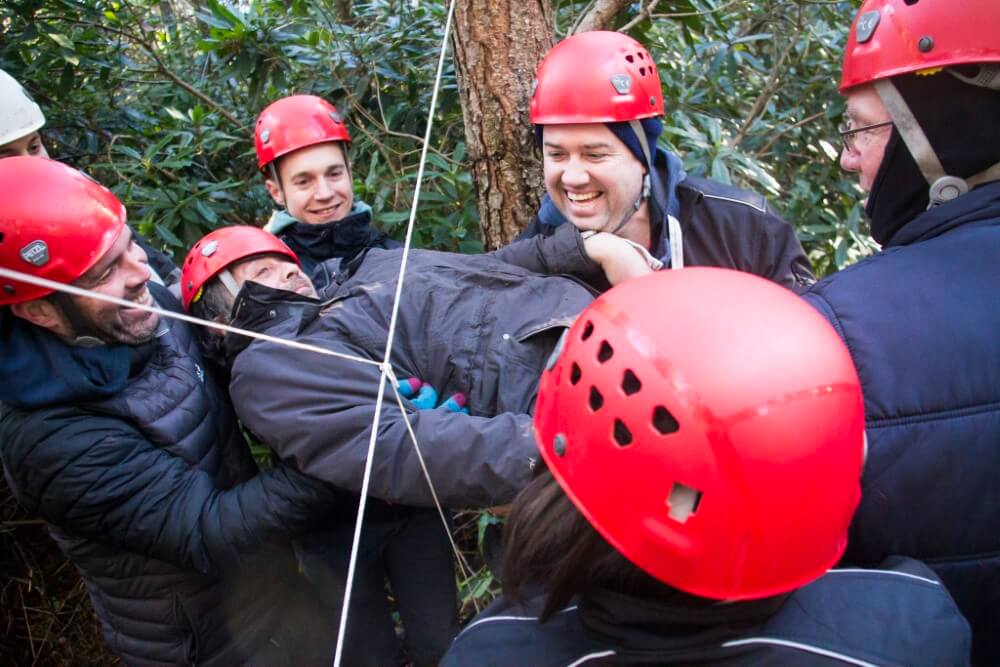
(61, 40)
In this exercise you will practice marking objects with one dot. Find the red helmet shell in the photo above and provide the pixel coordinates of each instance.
(893, 37)
(295, 122)
(596, 77)
(220, 248)
(717, 443)
(55, 223)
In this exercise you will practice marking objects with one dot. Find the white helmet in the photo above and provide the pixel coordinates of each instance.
(19, 115)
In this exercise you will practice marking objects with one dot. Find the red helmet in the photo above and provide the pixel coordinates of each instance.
(892, 37)
(55, 223)
(596, 77)
(716, 443)
(295, 122)
(220, 248)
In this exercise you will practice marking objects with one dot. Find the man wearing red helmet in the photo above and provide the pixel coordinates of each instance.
(596, 110)
(302, 144)
(406, 546)
(922, 83)
(113, 432)
(701, 466)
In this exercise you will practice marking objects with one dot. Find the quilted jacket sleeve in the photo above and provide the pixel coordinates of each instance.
(96, 477)
(562, 252)
(322, 421)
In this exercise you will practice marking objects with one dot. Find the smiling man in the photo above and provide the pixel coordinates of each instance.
(597, 111)
(922, 83)
(302, 145)
(114, 433)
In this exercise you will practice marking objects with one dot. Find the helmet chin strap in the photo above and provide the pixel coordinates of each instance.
(227, 280)
(943, 187)
(644, 193)
(675, 234)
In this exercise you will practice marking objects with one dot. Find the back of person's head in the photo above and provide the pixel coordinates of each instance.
(56, 223)
(714, 447)
(20, 116)
(936, 67)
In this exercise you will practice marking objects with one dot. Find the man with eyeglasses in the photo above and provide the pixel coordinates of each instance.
(921, 318)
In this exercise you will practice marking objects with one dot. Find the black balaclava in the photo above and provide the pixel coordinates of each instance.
(962, 123)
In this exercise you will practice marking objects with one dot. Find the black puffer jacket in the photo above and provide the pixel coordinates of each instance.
(146, 492)
(471, 324)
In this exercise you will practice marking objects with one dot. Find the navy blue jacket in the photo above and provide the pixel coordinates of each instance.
(133, 457)
(922, 320)
(898, 616)
(722, 225)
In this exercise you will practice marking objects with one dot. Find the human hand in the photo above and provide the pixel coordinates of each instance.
(425, 397)
(619, 258)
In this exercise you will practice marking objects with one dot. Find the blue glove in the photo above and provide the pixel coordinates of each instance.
(425, 397)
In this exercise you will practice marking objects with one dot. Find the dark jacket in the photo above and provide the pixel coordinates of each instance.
(342, 239)
(899, 616)
(133, 457)
(471, 324)
(921, 320)
(722, 226)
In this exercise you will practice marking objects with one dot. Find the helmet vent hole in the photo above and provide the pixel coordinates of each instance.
(588, 330)
(623, 436)
(630, 58)
(574, 374)
(664, 422)
(606, 352)
(911, 2)
(1, 237)
(683, 502)
(630, 383)
(596, 400)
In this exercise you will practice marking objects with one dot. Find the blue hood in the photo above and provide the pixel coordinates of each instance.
(38, 369)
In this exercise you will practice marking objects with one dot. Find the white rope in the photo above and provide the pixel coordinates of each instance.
(77, 291)
(388, 348)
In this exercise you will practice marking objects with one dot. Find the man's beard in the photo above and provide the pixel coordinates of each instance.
(85, 327)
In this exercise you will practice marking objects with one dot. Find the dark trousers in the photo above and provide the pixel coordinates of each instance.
(409, 547)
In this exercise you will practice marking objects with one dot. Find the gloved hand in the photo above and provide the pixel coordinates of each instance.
(425, 397)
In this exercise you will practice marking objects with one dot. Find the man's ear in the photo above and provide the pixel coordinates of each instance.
(275, 191)
(42, 313)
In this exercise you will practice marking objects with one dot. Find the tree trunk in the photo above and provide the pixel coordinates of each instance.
(497, 45)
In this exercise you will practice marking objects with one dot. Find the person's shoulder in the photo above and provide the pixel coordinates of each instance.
(714, 193)
(507, 633)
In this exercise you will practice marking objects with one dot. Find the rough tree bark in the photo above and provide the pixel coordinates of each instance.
(497, 45)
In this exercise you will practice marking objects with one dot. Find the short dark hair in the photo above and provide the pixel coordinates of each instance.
(214, 304)
(549, 545)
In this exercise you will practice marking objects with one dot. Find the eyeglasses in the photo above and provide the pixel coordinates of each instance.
(848, 134)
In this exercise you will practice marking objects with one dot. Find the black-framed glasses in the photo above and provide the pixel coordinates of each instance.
(848, 133)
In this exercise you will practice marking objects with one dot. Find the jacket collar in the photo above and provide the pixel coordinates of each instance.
(685, 626)
(980, 205)
(264, 309)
